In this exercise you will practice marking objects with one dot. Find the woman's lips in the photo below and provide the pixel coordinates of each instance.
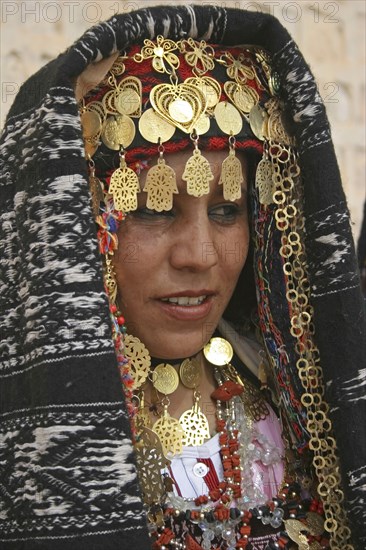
(187, 308)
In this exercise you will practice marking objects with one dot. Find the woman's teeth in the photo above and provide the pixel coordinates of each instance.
(185, 300)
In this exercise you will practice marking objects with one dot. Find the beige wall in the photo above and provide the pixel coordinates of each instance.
(331, 35)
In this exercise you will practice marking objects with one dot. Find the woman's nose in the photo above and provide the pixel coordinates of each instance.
(194, 248)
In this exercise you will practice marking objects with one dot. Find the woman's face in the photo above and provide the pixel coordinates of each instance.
(177, 270)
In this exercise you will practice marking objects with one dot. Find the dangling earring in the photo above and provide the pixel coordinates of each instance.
(96, 188)
(231, 174)
(124, 186)
(161, 184)
(197, 172)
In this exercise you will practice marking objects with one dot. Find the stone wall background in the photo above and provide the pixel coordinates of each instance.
(331, 35)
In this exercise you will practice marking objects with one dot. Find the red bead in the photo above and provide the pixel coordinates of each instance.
(113, 308)
(121, 320)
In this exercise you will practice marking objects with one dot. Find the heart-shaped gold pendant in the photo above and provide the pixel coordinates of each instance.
(179, 104)
(243, 97)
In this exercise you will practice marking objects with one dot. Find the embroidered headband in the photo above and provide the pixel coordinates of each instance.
(163, 96)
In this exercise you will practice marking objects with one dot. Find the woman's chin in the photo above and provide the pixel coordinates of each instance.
(177, 348)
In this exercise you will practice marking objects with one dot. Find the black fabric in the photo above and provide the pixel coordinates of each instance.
(63, 419)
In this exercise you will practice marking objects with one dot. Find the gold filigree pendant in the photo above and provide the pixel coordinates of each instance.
(150, 461)
(194, 424)
(160, 186)
(197, 174)
(124, 186)
(179, 104)
(170, 433)
(139, 360)
(231, 177)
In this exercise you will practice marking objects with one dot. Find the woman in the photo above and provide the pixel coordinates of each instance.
(177, 131)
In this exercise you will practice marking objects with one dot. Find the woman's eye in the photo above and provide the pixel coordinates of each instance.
(225, 212)
(150, 214)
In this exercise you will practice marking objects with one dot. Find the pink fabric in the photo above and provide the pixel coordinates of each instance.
(267, 478)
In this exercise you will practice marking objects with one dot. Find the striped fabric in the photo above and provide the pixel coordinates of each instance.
(68, 478)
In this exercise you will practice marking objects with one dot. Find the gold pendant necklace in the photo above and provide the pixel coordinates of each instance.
(170, 432)
(195, 424)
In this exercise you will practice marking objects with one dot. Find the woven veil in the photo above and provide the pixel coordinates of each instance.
(68, 478)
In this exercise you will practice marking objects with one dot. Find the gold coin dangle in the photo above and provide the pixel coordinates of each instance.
(119, 130)
(218, 351)
(153, 127)
(258, 120)
(228, 118)
(165, 378)
(190, 373)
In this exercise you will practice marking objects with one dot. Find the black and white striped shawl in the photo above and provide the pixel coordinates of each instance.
(68, 478)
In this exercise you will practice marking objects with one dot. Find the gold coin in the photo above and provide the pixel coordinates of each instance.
(245, 99)
(118, 130)
(228, 118)
(127, 101)
(202, 125)
(165, 378)
(258, 120)
(91, 123)
(218, 351)
(180, 110)
(190, 373)
(152, 127)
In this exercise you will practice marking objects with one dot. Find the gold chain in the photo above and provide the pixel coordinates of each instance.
(290, 221)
